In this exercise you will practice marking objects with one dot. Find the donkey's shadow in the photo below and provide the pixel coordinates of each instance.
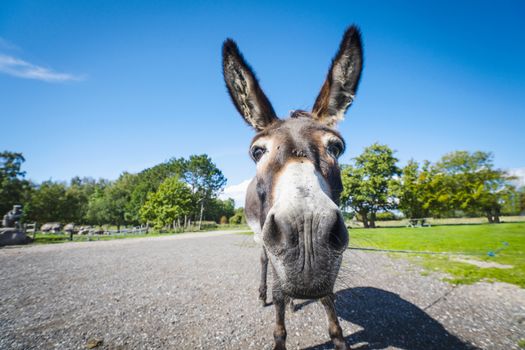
(388, 320)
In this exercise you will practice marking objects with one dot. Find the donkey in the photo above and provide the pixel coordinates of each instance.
(292, 202)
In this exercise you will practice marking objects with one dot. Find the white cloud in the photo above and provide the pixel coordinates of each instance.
(520, 174)
(236, 192)
(18, 68)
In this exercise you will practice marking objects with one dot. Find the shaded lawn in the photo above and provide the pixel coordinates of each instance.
(470, 241)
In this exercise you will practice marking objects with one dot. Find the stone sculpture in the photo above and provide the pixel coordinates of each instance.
(12, 232)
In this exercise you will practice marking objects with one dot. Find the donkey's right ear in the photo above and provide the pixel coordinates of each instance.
(244, 89)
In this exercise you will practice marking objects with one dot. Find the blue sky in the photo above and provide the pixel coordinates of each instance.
(94, 88)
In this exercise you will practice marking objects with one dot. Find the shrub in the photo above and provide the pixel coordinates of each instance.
(386, 215)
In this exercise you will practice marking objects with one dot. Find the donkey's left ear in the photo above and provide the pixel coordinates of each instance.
(244, 89)
(340, 86)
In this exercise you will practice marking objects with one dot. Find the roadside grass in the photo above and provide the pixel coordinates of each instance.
(438, 222)
(47, 238)
(50, 238)
(505, 242)
(227, 227)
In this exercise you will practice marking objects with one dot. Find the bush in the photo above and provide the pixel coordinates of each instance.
(236, 219)
(385, 216)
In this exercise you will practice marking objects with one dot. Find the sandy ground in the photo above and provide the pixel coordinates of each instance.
(199, 291)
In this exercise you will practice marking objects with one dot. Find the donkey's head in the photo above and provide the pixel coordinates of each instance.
(292, 202)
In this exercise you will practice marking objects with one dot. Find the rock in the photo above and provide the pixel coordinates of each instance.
(96, 231)
(12, 236)
(94, 342)
(53, 227)
(84, 230)
(71, 228)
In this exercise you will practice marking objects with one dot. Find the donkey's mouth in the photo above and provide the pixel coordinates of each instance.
(303, 276)
(306, 251)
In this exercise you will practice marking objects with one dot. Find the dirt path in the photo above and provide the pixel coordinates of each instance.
(199, 291)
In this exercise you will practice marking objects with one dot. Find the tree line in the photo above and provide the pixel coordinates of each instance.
(180, 190)
(460, 184)
(172, 193)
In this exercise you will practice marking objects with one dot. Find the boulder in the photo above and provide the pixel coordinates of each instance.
(96, 231)
(71, 228)
(11, 236)
(53, 227)
(84, 230)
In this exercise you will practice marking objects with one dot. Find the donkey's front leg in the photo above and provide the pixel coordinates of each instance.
(264, 273)
(279, 332)
(334, 329)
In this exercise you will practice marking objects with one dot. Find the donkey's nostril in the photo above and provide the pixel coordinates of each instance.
(272, 232)
(338, 234)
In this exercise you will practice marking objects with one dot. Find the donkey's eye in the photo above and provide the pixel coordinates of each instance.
(335, 148)
(257, 152)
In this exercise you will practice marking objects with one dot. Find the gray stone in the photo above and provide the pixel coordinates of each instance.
(53, 227)
(12, 236)
(12, 232)
(71, 228)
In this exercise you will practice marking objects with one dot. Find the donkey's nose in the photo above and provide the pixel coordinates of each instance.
(276, 233)
(335, 232)
(310, 229)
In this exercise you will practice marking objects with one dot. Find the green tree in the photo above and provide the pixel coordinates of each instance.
(77, 198)
(219, 208)
(117, 200)
(513, 201)
(521, 193)
(172, 200)
(149, 181)
(472, 184)
(48, 203)
(412, 190)
(96, 213)
(368, 183)
(14, 189)
(109, 202)
(205, 180)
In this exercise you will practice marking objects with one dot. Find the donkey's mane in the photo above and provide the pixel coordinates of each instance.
(299, 113)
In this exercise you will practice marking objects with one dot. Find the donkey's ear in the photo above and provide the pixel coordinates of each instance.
(244, 89)
(340, 86)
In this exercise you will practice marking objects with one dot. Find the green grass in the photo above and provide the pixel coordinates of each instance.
(472, 241)
(49, 238)
(46, 238)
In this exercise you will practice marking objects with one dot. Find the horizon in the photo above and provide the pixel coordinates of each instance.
(96, 90)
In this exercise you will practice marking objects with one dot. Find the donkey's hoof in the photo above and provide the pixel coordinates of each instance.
(262, 297)
(341, 345)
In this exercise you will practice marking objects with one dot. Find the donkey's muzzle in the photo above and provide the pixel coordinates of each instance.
(313, 232)
(306, 250)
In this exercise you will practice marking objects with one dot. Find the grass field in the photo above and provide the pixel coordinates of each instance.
(437, 222)
(45, 238)
(469, 242)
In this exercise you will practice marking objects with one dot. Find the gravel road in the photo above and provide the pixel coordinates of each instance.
(199, 291)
